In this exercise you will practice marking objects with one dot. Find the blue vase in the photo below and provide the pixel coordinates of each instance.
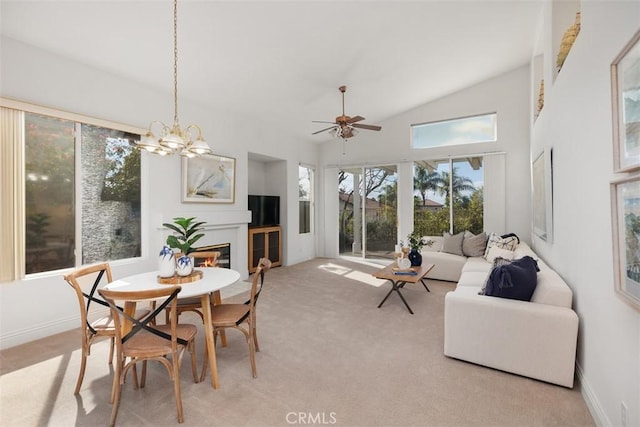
(166, 262)
(415, 257)
(184, 265)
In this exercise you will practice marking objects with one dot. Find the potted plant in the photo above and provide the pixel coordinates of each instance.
(186, 234)
(416, 242)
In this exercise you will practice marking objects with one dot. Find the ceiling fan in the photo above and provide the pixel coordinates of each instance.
(345, 126)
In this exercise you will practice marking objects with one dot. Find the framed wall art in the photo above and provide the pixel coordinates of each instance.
(542, 203)
(625, 214)
(208, 179)
(625, 88)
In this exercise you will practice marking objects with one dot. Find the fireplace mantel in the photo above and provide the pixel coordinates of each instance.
(216, 220)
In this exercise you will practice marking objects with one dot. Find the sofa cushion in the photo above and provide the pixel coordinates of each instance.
(477, 264)
(472, 279)
(446, 266)
(509, 243)
(523, 250)
(474, 245)
(452, 243)
(514, 280)
(551, 289)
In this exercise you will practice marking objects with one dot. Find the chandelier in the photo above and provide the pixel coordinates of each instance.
(188, 142)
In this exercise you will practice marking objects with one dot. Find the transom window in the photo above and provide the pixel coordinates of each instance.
(466, 130)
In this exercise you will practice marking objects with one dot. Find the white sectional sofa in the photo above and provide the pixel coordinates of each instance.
(536, 338)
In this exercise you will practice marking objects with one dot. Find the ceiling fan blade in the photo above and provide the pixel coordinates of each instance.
(368, 127)
(323, 130)
(319, 121)
(355, 119)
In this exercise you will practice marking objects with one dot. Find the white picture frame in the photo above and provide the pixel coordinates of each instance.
(542, 195)
(625, 93)
(625, 218)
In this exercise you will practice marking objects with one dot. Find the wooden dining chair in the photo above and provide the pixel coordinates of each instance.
(80, 280)
(265, 265)
(224, 316)
(193, 304)
(142, 340)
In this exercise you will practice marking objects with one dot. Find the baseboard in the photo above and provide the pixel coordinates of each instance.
(593, 404)
(37, 332)
(43, 330)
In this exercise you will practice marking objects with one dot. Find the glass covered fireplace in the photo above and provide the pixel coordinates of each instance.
(224, 260)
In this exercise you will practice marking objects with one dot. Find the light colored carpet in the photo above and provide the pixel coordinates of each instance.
(328, 356)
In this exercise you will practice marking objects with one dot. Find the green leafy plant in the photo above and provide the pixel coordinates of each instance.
(415, 241)
(36, 229)
(186, 230)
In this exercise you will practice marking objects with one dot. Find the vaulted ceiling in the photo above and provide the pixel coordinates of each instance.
(282, 61)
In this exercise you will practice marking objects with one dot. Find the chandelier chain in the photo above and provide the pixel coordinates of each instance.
(189, 141)
(175, 61)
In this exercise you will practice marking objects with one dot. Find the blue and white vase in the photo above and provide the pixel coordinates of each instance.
(184, 266)
(166, 262)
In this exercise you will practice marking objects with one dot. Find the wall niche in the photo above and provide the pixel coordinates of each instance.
(565, 28)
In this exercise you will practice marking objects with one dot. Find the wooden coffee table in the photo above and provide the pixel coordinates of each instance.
(399, 280)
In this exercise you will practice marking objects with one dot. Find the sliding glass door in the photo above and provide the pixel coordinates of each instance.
(368, 211)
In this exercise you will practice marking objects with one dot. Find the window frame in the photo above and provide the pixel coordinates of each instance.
(311, 200)
(14, 191)
(455, 119)
(450, 161)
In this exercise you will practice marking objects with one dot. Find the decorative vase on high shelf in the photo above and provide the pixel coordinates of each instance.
(166, 262)
(415, 257)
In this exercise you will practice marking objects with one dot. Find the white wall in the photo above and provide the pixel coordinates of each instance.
(576, 122)
(508, 95)
(256, 177)
(280, 178)
(32, 75)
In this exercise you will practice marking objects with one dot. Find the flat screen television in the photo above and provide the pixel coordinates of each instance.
(265, 210)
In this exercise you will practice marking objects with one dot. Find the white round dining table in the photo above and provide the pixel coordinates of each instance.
(213, 279)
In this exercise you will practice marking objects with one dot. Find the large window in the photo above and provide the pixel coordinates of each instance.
(49, 150)
(466, 130)
(81, 189)
(448, 196)
(305, 198)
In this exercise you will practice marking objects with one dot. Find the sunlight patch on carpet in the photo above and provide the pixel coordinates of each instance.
(365, 278)
(352, 274)
(334, 268)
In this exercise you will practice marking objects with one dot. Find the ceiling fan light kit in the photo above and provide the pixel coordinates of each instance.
(188, 142)
(344, 126)
(343, 132)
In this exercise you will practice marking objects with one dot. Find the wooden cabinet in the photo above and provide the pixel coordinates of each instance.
(265, 242)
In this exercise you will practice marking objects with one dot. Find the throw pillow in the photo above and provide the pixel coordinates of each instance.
(510, 243)
(473, 245)
(496, 262)
(452, 244)
(496, 252)
(515, 280)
